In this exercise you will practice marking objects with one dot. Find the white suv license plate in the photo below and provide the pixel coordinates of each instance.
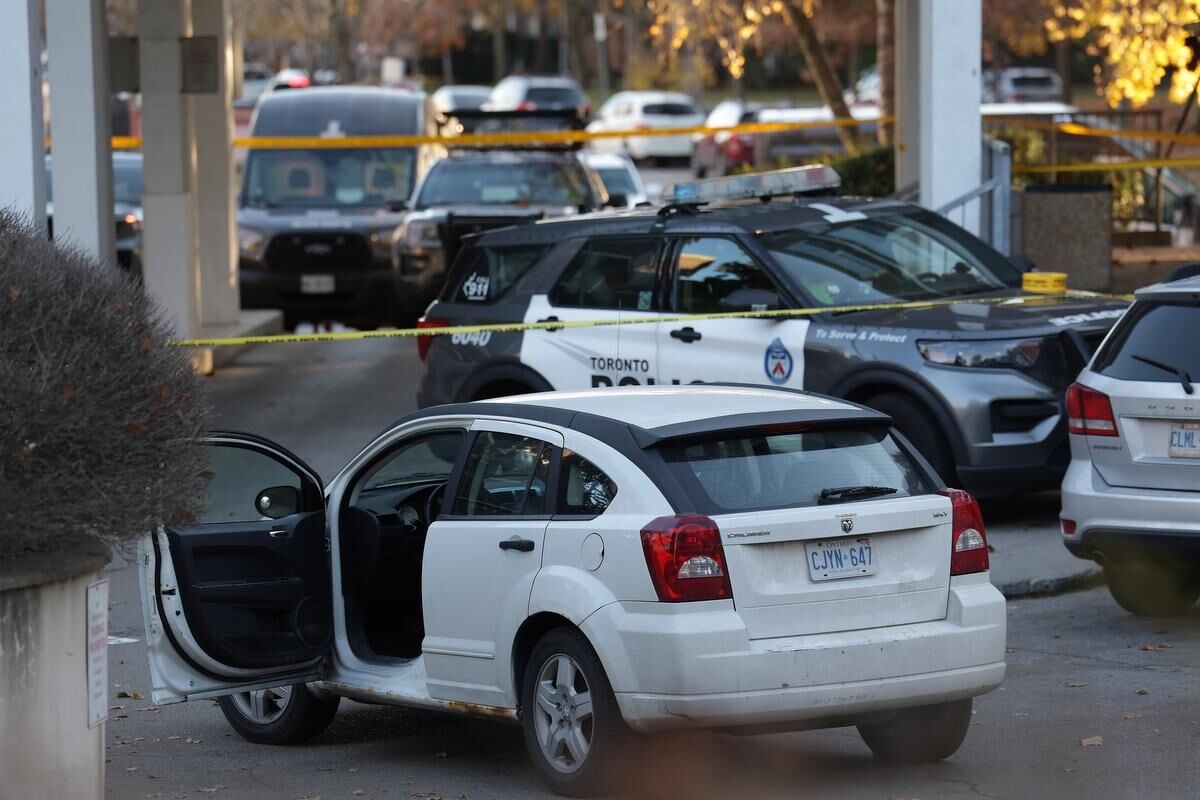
(840, 558)
(316, 284)
(1184, 441)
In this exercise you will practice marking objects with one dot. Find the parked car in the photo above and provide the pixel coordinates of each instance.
(866, 89)
(620, 177)
(589, 564)
(315, 224)
(1022, 85)
(975, 380)
(127, 208)
(472, 190)
(255, 79)
(1131, 497)
(538, 93)
(629, 111)
(459, 96)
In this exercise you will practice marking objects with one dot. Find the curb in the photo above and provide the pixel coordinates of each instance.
(1041, 587)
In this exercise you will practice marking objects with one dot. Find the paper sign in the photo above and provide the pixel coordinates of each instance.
(97, 652)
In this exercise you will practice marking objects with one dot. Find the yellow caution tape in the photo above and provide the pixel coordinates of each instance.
(1109, 166)
(500, 138)
(519, 327)
(1077, 129)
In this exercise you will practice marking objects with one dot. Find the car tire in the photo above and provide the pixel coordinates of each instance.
(576, 752)
(1146, 589)
(919, 735)
(282, 715)
(913, 419)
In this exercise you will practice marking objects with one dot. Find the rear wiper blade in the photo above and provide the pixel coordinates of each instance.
(1184, 378)
(840, 494)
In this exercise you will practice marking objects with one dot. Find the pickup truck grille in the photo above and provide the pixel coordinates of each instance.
(318, 252)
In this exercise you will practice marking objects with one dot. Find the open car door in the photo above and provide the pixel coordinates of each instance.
(240, 599)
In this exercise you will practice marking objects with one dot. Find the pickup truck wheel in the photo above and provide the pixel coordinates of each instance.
(280, 715)
(573, 728)
(919, 735)
(1151, 590)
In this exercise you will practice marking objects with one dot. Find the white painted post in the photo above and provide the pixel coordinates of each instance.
(908, 100)
(23, 133)
(213, 127)
(81, 123)
(950, 126)
(169, 236)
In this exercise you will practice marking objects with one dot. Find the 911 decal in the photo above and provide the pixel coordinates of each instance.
(475, 287)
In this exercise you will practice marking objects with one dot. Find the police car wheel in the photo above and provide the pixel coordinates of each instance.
(920, 428)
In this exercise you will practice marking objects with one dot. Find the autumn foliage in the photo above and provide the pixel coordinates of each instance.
(100, 420)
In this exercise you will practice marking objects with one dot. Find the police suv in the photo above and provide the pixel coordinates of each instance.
(975, 379)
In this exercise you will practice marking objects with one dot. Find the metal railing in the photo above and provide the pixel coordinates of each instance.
(993, 196)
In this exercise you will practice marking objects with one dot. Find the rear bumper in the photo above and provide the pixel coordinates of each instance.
(1116, 522)
(659, 146)
(699, 668)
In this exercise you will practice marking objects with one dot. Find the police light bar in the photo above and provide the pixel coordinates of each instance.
(795, 180)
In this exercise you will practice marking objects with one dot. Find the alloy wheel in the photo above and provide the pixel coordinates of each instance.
(263, 706)
(563, 717)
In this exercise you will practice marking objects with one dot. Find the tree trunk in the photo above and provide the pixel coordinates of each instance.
(828, 85)
(342, 28)
(885, 36)
(499, 43)
(1062, 60)
(447, 66)
(541, 53)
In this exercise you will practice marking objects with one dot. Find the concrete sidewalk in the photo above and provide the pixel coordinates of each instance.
(1028, 557)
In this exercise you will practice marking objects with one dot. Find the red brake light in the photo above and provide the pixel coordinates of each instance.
(968, 542)
(526, 105)
(423, 342)
(1089, 412)
(1068, 527)
(299, 82)
(686, 559)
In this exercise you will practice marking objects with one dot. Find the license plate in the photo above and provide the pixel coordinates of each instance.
(316, 284)
(840, 558)
(1185, 441)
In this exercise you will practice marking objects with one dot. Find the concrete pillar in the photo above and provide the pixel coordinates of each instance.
(22, 134)
(907, 87)
(81, 122)
(950, 125)
(169, 236)
(216, 229)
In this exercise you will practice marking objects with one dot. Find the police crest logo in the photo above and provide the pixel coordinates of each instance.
(778, 363)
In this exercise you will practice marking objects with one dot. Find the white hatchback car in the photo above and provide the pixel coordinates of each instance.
(1131, 496)
(591, 564)
(638, 110)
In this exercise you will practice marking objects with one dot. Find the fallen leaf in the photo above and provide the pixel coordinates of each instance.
(324, 769)
(131, 769)
(352, 769)
(152, 776)
(1156, 648)
(1070, 769)
(172, 738)
(1092, 741)
(1074, 685)
(1021, 714)
(190, 740)
(14, 291)
(1142, 691)
(212, 789)
(116, 708)
(134, 429)
(359, 792)
(1131, 715)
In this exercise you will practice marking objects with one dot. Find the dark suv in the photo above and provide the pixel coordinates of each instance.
(976, 380)
(315, 224)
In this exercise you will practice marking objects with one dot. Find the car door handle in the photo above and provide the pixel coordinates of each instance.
(279, 534)
(688, 334)
(522, 545)
(551, 328)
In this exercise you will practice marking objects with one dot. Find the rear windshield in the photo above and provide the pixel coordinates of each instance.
(670, 109)
(1153, 331)
(553, 96)
(483, 274)
(790, 470)
(333, 178)
(455, 182)
(617, 180)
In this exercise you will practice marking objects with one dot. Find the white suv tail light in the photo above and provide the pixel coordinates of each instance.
(686, 559)
(969, 548)
(1089, 412)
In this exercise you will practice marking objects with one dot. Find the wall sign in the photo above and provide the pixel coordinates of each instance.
(97, 652)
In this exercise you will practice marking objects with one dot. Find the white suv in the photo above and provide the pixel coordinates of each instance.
(1131, 497)
(591, 564)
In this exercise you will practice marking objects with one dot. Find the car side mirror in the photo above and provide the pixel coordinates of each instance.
(278, 502)
(618, 200)
(1022, 263)
(750, 300)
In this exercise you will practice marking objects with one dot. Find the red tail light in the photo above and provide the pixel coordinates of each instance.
(299, 82)
(423, 342)
(526, 105)
(584, 110)
(1068, 527)
(968, 543)
(686, 559)
(1089, 412)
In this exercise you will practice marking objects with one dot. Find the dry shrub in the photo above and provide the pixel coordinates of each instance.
(100, 421)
